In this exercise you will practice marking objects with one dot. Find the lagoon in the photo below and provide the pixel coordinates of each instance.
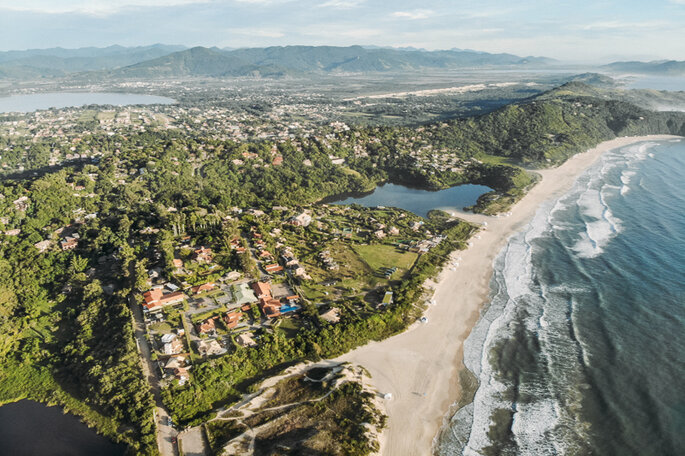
(36, 101)
(418, 201)
(29, 428)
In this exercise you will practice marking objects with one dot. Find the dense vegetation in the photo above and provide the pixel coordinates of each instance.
(63, 338)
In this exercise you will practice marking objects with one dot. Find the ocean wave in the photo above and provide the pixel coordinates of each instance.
(600, 224)
(547, 421)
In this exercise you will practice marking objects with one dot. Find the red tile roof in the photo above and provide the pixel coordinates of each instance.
(204, 287)
(206, 326)
(262, 289)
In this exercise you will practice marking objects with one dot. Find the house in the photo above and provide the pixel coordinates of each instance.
(233, 275)
(393, 231)
(416, 225)
(210, 347)
(387, 298)
(167, 338)
(235, 243)
(232, 318)
(300, 272)
(270, 307)
(175, 362)
(178, 263)
(181, 373)
(243, 294)
(273, 268)
(21, 204)
(69, 243)
(156, 299)
(174, 347)
(245, 340)
(203, 255)
(262, 290)
(303, 219)
(209, 286)
(207, 326)
(42, 246)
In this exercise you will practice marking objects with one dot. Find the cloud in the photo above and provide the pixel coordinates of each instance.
(263, 2)
(259, 32)
(413, 15)
(342, 4)
(621, 25)
(334, 32)
(89, 7)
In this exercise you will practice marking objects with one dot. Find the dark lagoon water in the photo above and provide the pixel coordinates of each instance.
(29, 428)
(35, 101)
(415, 200)
(582, 348)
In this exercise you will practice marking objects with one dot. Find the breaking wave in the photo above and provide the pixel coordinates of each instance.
(532, 349)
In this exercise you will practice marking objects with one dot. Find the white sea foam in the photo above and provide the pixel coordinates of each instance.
(600, 224)
(627, 176)
(532, 426)
(545, 424)
(514, 282)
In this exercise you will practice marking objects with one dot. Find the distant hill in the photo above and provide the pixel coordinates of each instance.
(594, 79)
(37, 63)
(660, 67)
(298, 60)
(198, 61)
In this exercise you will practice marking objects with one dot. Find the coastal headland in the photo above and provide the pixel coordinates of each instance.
(420, 368)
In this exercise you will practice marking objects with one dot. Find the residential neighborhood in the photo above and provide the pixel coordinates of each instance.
(212, 299)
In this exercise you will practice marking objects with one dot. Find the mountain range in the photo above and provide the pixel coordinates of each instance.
(659, 67)
(55, 62)
(165, 61)
(175, 61)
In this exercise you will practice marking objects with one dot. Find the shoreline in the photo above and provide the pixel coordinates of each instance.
(421, 366)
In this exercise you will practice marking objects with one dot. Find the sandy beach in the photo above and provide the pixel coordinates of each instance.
(420, 367)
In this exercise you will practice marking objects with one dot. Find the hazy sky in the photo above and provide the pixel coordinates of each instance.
(587, 30)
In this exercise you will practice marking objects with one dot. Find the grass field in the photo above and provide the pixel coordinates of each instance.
(106, 115)
(385, 256)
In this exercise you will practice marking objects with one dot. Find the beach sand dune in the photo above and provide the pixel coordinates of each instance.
(420, 367)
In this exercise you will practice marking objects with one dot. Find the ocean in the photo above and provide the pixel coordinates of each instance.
(581, 349)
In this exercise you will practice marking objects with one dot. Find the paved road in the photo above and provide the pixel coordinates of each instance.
(165, 433)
